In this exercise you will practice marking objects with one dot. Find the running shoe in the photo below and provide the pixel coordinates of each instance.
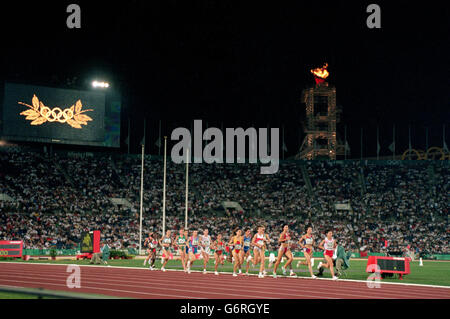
(284, 270)
(320, 265)
(234, 274)
(240, 271)
(298, 263)
(292, 274)
(313, 277)
(163, 269)
(274, 275)
(260, 275)
(204, 271)
(335, 278)
(216, 273)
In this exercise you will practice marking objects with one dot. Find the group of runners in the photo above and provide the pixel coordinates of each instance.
(238, 250)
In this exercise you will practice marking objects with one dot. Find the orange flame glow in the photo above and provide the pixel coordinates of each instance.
(321, 72)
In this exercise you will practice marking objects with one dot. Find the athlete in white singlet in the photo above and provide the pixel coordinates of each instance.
(259, 243)
(205, 243)
(328, 245)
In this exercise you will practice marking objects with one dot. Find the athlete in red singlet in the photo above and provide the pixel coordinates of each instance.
(306, 242)
(284, 250)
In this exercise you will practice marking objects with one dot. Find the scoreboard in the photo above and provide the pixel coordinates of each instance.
(10, 248)
(41, 114)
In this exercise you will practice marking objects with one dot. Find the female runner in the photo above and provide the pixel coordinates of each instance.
(152, 244)
(237, 241)
(284, 250)
(246, 252)
(146, 244)
(166, 243)
(193, 249)
(205, 242)
(328, 245)
(306, 242)
(219, 248)
(181, 243)
(229, 250)
(259, 242)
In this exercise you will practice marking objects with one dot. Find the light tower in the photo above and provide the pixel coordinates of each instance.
(322, 115)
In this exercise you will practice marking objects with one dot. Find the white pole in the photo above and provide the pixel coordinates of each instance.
(164, 188)
(187, 190)
(142, 198)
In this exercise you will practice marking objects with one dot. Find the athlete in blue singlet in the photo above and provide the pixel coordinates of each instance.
(193, 249)
(246, 252)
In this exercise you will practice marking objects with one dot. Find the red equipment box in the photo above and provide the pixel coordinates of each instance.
(388, 265)
(11, 248)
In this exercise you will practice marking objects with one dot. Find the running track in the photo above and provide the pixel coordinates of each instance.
(143, 283)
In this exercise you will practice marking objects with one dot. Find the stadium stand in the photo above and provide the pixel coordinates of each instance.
(56, 198)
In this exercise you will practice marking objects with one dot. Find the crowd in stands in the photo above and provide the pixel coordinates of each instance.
(57, 197)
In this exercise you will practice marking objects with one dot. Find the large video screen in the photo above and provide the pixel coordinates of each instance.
(43, 114)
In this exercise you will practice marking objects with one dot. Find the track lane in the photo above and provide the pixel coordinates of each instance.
(142, 283)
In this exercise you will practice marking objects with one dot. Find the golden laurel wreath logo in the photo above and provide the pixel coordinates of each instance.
(39, 114)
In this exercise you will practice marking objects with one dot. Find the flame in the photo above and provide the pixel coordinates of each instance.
(321, 72)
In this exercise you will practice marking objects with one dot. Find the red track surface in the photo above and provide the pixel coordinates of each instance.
(142, 283)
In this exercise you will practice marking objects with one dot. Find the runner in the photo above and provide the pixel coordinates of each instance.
(259, 242)
(306, 242)
(205, 243)
(193, 249)
(284, 250)
(237, 241)
(152, 244)
(146, 244)
(328, 245)
(247, 249)
(166, 244)
(181, 243)
(219, 249)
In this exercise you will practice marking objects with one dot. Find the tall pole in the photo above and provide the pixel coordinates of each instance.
(187, 190)
(142, 198)
(164, 187)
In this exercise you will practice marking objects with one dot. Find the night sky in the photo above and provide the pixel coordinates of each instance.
(244, 63)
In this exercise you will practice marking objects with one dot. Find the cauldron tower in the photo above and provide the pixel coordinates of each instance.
(322, 115)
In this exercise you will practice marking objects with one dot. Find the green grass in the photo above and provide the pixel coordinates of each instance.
(432, 273)
(11, 295)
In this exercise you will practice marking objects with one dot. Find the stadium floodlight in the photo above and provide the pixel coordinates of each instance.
(100, 84)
